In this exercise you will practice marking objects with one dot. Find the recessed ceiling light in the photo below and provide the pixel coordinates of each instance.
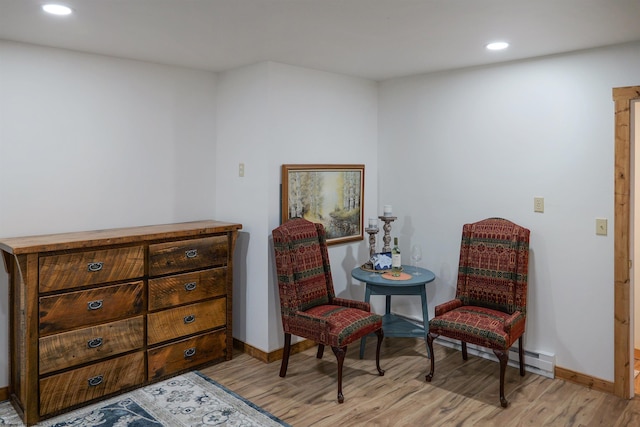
(497, 45)
(56, 9)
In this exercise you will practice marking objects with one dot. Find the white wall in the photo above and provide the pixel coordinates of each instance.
(90, 142)
(119, 143)
(272, 114)
(243, 137)
(465, 145)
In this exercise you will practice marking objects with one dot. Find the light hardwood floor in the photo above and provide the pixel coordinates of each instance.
(461, 393)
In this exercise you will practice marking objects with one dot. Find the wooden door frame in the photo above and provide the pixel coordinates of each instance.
(622, 98)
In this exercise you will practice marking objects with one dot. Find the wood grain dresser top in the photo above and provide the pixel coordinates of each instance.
(113, 236)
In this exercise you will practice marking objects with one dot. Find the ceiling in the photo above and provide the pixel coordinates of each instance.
(374, 39)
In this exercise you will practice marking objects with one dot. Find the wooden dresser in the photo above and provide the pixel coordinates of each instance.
(96, 313)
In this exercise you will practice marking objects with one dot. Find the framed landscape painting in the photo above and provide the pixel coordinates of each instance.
(328, 194)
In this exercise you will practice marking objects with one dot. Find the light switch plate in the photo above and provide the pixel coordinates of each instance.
(601, 226)
(538, 204)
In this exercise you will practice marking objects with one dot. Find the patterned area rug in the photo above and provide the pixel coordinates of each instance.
(189, 400)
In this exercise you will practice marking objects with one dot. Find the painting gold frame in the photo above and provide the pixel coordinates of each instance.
(332, 195)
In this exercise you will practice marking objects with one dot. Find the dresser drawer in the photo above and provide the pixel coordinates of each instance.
(83, 308)
(186, 320)
(67, 349)
(186, 354)
(66, 271)
(83, 384)
(184, 255)
(188, 287)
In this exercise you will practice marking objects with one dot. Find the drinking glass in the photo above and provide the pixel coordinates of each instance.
(416, 256)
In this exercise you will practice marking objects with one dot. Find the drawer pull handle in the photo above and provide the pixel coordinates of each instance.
(94, 266)
(190, 352)
(95, 305)
(190, 286)
(191, 253)
(189, 319)
(94, 381)
(94, 343)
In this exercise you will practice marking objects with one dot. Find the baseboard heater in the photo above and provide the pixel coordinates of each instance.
(540, 363)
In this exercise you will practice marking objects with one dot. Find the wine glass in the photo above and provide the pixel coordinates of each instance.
(372, 260)
(416, 256)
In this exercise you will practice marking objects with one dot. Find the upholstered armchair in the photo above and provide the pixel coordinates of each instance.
(490, 304)
(308, 303)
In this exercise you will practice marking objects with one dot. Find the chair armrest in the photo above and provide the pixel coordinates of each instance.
(514, 324)
(310, 319)
(448, 306)
(360, 305)
(306, 326)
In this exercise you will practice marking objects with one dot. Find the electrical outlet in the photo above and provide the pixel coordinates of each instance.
(241, 170)
(601, 226)
(538, 204)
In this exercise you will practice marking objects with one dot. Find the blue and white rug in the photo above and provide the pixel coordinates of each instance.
(188, 400)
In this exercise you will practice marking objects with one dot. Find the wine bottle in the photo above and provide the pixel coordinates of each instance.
(396, 261)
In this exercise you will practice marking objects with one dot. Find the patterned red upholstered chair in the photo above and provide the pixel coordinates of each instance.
(308, 303)
(490, 306)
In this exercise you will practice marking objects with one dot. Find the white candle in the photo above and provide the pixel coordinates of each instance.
(387, 210)
(373, 223)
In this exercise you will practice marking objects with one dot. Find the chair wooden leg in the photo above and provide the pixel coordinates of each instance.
(503, 357)
(380, 335)
(465, 356)
(430, 338)
(320, 351)
(521, 356)
(340, 353)
(285, 355)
